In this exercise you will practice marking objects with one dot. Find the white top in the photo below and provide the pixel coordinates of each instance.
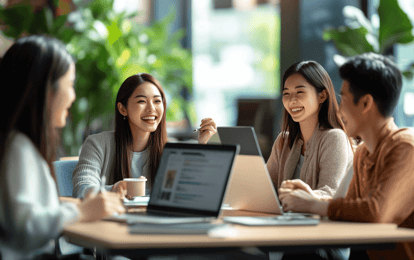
(30, 211)
(139, 159)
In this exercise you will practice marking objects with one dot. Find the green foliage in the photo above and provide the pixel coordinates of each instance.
(266, 39)
(361, 35)
(108, 48)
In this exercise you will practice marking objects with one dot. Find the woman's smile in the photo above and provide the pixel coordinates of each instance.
(296, 110)
(150, 119)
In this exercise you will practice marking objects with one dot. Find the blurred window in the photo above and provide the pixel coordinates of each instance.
(235, 46)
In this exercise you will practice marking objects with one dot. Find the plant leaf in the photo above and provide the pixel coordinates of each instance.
(355, 15)
(395, 26)
(349, 42)
(18, 18)
(59, 24)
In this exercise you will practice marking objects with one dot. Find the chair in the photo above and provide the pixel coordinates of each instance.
(259, 113)
(63, 172)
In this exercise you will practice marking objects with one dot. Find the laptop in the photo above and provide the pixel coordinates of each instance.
(243, 135)
(251, 187)
(190, 184)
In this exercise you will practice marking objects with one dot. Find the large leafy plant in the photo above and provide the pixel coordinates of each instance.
(108, 48)
(377, 35)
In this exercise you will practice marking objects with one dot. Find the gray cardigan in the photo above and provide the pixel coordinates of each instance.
(97, 158)
(328, 159)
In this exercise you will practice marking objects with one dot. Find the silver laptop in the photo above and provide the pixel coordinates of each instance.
(190, 184)
(250, 187)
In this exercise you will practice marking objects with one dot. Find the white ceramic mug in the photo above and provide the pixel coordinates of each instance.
(136, 186)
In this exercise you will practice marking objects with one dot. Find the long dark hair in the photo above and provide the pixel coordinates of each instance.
(328, 117)
(123, 135)
(30, 71)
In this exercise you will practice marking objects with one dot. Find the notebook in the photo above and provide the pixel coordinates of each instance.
(251, 187)
(190, 184)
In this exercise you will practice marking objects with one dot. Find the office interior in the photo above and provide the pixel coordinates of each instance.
(237, 51)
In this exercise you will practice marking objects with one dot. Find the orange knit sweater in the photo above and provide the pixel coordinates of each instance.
(382, 188)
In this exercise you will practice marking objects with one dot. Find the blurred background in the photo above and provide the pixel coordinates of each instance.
(215, 58)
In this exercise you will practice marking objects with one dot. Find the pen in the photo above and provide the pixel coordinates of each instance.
(197, 130)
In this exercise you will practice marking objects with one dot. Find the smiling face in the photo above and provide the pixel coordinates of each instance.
(301, 100)
(63, 99)
(144, 109)
(350, 112)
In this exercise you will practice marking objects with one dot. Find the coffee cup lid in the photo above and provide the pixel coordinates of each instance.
(136, 179)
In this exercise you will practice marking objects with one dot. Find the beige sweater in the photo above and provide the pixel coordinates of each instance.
(328, 158)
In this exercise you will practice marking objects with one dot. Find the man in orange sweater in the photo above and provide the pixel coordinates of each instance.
(381, 190)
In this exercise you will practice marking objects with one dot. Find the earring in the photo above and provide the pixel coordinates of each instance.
(124, 117)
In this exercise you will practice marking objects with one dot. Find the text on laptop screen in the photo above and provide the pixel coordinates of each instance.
(191, 178)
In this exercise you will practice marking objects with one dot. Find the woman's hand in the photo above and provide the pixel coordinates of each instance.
(301, 201)
(208, 129)
(120, 188)
(96, 206)
(297, 185)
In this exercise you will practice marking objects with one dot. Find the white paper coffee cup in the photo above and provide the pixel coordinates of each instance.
(136, 186)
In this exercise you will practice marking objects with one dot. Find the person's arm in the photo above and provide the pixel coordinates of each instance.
(391, 197)
(87, 173)
(31, 206)
(297, 196)
(207, 129)
(334, 161)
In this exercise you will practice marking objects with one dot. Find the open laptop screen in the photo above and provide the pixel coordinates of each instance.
(192, 177)
(242, 135)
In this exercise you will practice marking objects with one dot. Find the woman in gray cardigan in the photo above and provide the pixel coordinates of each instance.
(313, 146)
(135, 147)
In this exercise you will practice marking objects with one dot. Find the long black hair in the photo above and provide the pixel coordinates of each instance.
(29, 72)
(328, 117)
(123, 134)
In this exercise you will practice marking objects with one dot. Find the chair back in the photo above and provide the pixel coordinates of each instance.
(63, 171)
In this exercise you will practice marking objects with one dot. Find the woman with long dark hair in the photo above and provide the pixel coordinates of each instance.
(134, 149)
(313, 151)
(312, 146)
(39, 75)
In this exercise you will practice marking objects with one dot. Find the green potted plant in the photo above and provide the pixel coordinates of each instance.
(362, 35)
(108, 49)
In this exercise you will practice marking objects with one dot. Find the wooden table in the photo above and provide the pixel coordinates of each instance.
(114, 238)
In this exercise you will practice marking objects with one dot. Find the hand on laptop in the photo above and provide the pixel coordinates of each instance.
(297, 185)
(299, 200)
(96, 206)
(207, 129)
